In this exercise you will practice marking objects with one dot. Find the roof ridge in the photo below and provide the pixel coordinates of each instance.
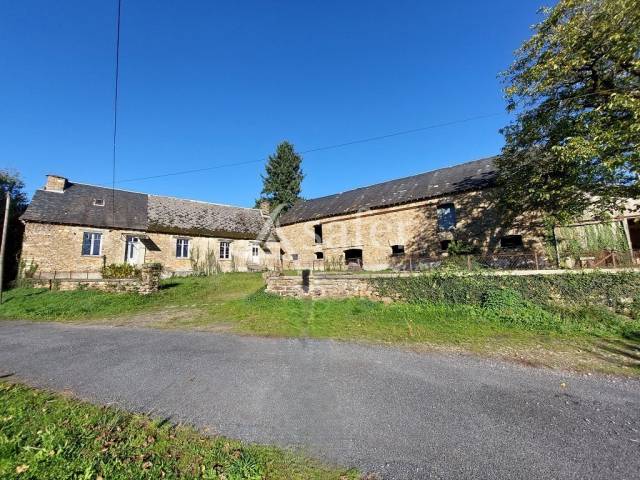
(403, 178)
(159, 196)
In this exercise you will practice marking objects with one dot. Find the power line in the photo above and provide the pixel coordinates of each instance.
(318, 149)
(115, 114)
(359, 141)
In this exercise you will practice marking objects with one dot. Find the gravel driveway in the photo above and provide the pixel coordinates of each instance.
(401, 414)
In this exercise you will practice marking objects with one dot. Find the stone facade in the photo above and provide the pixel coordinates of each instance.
(413, 226)
(58, 248)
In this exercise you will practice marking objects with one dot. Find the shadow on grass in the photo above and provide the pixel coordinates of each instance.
(33, 293)
(168, 285)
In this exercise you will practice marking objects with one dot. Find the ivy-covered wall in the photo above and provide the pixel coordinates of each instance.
(618, 291)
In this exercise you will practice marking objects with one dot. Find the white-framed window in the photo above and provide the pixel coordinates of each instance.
(224, 250)
(91, 243)
(182, 248)
(255, 251)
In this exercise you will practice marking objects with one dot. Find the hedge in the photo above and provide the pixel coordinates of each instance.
(617, 291)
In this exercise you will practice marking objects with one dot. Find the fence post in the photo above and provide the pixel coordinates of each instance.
(535, 256)
(613, 257)
(410, 264)
(469, 262)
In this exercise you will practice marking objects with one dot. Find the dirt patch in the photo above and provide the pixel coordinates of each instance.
(165, 317)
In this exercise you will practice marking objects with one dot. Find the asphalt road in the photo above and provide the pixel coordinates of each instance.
(401, 414)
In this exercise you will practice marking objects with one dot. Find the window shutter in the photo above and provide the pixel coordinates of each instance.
(86, 243)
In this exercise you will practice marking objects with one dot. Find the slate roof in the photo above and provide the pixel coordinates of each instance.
(75, 206)
(175, 215)
(474, 175)
(140, 211)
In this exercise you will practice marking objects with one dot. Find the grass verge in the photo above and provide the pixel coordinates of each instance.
(48, 436)
(580, 337)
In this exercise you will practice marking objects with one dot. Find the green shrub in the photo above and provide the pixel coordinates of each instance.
(123, 270)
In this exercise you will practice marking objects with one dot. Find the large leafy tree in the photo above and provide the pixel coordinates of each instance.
(575, 87)
(283, 178)
(12, 183)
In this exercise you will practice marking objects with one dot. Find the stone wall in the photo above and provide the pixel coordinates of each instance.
(344, 285)
(149, 282)
(318, 285)
(58, 248)
(413, 225)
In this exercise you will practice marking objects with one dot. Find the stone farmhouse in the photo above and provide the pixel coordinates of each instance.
(73, 227)
(415, 219)
(79, 228)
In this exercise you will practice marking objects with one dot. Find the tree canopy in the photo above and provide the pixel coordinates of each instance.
(283, 179)
(12, 183)
(575, 89)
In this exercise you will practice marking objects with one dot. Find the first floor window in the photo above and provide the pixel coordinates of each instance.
(224, 250)
(294, 256)
(182, 248)
(91, 243)
(446, 217)
(255, 251)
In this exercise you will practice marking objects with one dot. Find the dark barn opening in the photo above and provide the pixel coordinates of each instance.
(511, 241)
(634, 233)
(317, 230)
(353, 258)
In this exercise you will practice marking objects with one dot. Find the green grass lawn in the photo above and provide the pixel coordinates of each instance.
(49, 436)
(589, 337)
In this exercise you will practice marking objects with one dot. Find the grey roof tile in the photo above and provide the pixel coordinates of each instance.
(175, 215)
(75, 206)
(467, 176)
(139, 211)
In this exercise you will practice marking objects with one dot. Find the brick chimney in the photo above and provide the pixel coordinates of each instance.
(55, 183)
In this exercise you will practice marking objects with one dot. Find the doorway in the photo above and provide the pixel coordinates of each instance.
(634, 232)
(132, 250)
(353, 258)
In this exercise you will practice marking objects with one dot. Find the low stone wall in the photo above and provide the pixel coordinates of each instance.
(322, 285)
(148, 282)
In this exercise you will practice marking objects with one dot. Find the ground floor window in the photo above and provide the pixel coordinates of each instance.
(294, 256)
(224, 250)
(444, 245)
(511, 241)
(182, 248)
(255, 251)
(91, 243)
(397, 250)
(319, 256)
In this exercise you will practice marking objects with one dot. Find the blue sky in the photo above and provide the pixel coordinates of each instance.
(204, 83)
